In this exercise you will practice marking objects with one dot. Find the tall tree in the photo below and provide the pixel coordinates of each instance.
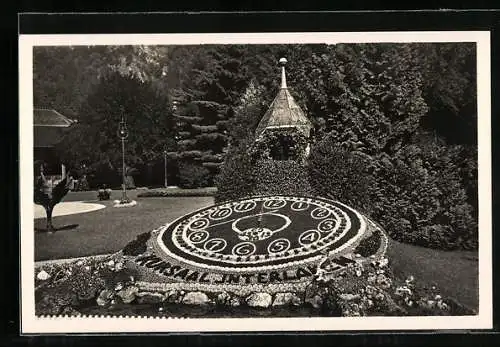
(450, 89)
(147, 114)
(64, 76)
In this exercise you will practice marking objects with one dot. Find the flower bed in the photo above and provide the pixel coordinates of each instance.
(89, 287)
(129, 203)
(373, 290)
(369, 245)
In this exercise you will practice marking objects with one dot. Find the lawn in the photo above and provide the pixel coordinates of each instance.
(456, 273)
(110, 229)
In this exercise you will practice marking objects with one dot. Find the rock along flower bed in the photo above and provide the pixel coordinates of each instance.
(96, 286)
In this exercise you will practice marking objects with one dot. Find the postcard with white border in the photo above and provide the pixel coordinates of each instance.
(255, 182)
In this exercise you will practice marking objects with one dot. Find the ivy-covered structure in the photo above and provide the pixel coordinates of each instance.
(284, 131)
(281, 146)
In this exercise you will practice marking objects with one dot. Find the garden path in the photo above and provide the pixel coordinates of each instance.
(67, 208)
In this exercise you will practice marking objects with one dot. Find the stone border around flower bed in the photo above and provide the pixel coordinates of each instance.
(42, 263)
(157, 293)
(126, 290)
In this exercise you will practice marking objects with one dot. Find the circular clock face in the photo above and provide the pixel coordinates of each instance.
(262, 232)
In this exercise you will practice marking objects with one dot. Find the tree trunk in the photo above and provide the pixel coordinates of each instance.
(48, 210)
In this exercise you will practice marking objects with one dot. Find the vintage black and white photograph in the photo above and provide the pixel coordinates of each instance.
(286, 181)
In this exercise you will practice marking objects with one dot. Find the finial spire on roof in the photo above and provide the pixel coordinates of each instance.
(284, 112)
(283, 62)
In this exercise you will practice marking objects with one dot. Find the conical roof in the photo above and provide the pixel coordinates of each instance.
(284, 111)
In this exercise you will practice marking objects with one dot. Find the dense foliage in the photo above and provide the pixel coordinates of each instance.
(193, 176)
(282, 144)
(95, 142)
(63, 77)
(243, 175)
(286, 177)
(236, 179)
(339, 174)
(416, 195)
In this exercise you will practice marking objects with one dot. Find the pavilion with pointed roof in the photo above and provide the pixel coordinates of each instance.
(284, 113)
(49, 128)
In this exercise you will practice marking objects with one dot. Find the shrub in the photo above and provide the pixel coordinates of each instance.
(341, 175)
(369, 245)
(137, 246)
(208, 191)
(193, 176)
(82, 184)
(421, 199)
(416, 195)
(286, 177)
(236, 179)
(104, 194)
(243, 175)
(281, 144)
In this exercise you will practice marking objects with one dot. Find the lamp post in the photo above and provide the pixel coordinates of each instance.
(174, 109)
(123, 134)
(165, 161)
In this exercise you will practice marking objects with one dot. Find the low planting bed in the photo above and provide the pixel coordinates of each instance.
(173, 192)
(97, 286)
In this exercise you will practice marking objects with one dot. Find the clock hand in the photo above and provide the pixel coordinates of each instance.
(216, 224)
(259, 219)
(232, 220)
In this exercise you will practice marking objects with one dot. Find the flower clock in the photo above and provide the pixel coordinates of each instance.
(268, 243)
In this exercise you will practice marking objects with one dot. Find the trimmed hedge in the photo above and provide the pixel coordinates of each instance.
(341, 175)
(236, 179)
(193, 176)
(286, 177)
(243, 175)
(421, 200)
(208, 191)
